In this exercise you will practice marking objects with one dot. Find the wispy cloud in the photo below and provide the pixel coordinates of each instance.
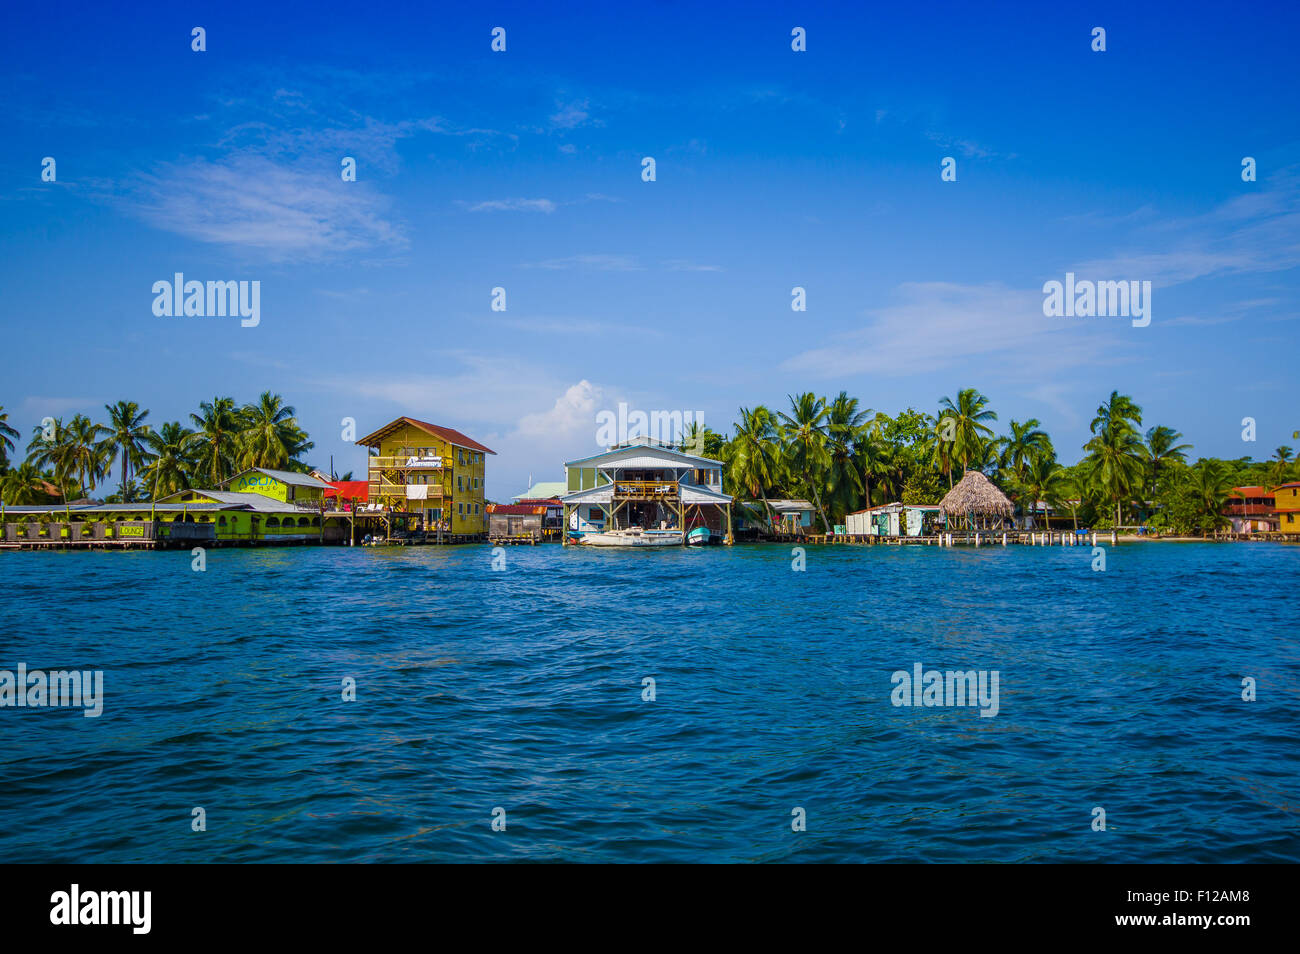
(942, 324)
(571, 115)
(283, 212)
(600, 263)
(511, 205)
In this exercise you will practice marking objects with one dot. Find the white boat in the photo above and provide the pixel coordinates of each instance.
(635, 537)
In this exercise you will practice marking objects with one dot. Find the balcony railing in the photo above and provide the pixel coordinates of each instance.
(387, 488)
(645, 489)
(409, 462)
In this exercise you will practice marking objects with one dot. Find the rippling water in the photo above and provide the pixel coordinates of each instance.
(522, 689)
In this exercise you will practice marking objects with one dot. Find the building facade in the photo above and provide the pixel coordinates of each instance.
(433, 476)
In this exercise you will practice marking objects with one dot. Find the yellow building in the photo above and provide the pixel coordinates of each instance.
(432, 473)
(1286, 503)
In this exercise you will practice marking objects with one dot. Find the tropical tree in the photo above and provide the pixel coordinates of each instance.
(962, 423)
(1212, 486)
(754, 455)
(269, 435)
(125, 437)
(8, 434)
(51, 447)
(1162, 447)
(1279, 467)
(91, 459)
(803, 431)
(846, 428)
(1040, 479)
(215, 438)
(22, 485)
(1024, 441)
(1116, 453)
(169, 470)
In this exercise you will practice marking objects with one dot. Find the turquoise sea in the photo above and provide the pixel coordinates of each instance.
(522, 690)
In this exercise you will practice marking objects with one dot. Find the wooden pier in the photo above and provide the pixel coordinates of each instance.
(955, 538)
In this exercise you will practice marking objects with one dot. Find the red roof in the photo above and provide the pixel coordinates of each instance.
(514, 510)
(539, 502)
(1251, 492)
(448, 434)
(349, 490)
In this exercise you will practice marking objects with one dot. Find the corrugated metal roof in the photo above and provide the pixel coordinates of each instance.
(285, 477)
(448, 434)
(544, 490)
(643, 456)
(602, 495)
(697, 495)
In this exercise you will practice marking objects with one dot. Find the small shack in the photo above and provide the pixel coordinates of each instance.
(893, 520)
(515, 521)
(976, 504)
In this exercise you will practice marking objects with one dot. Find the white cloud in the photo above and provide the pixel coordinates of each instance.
(281, 212)
(512, 205)
(601, 263)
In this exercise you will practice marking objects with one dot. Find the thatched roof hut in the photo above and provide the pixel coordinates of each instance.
(976, 499)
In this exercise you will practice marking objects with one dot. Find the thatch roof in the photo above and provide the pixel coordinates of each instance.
(975, 495)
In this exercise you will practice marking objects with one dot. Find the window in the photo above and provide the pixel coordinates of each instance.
(461, 508)
(476, 508)
(460, 483)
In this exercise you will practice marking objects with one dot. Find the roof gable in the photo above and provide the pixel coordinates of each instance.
(644, 455)
(448, 434)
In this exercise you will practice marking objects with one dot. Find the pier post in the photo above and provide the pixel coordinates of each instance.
(1114, 537)
(1094, 538)
(1004, 538)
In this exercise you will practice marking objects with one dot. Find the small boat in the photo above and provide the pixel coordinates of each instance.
(697, 537)
(635, 537)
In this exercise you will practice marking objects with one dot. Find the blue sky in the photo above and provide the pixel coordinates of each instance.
(775, 169)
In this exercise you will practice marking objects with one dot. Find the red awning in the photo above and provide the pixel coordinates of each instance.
(349, 490)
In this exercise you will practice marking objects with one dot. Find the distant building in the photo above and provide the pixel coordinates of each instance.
(515, 520)
(1286, 507)
(644, 483)
(430, 475)
(547, 494)
(894, 520)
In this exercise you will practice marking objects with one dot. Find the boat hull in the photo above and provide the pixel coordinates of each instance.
(698, 537)
(652, 538)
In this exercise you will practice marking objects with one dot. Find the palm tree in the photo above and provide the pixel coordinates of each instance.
(846, 429)
(1162, 447)
(1280, 467)
(1024, 441)
(268, 433)
(1040, 481)
(7, 436)
(169, 471)
(125, 432)
(1070, 491)
(90, 457)
(22, 485)
(1114, 465)
(804, 433)
(214, 439)
(962, 423)
(753, 464)
(1118, 413)
(52, 447)
(1212, 485)
(1116, 452)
